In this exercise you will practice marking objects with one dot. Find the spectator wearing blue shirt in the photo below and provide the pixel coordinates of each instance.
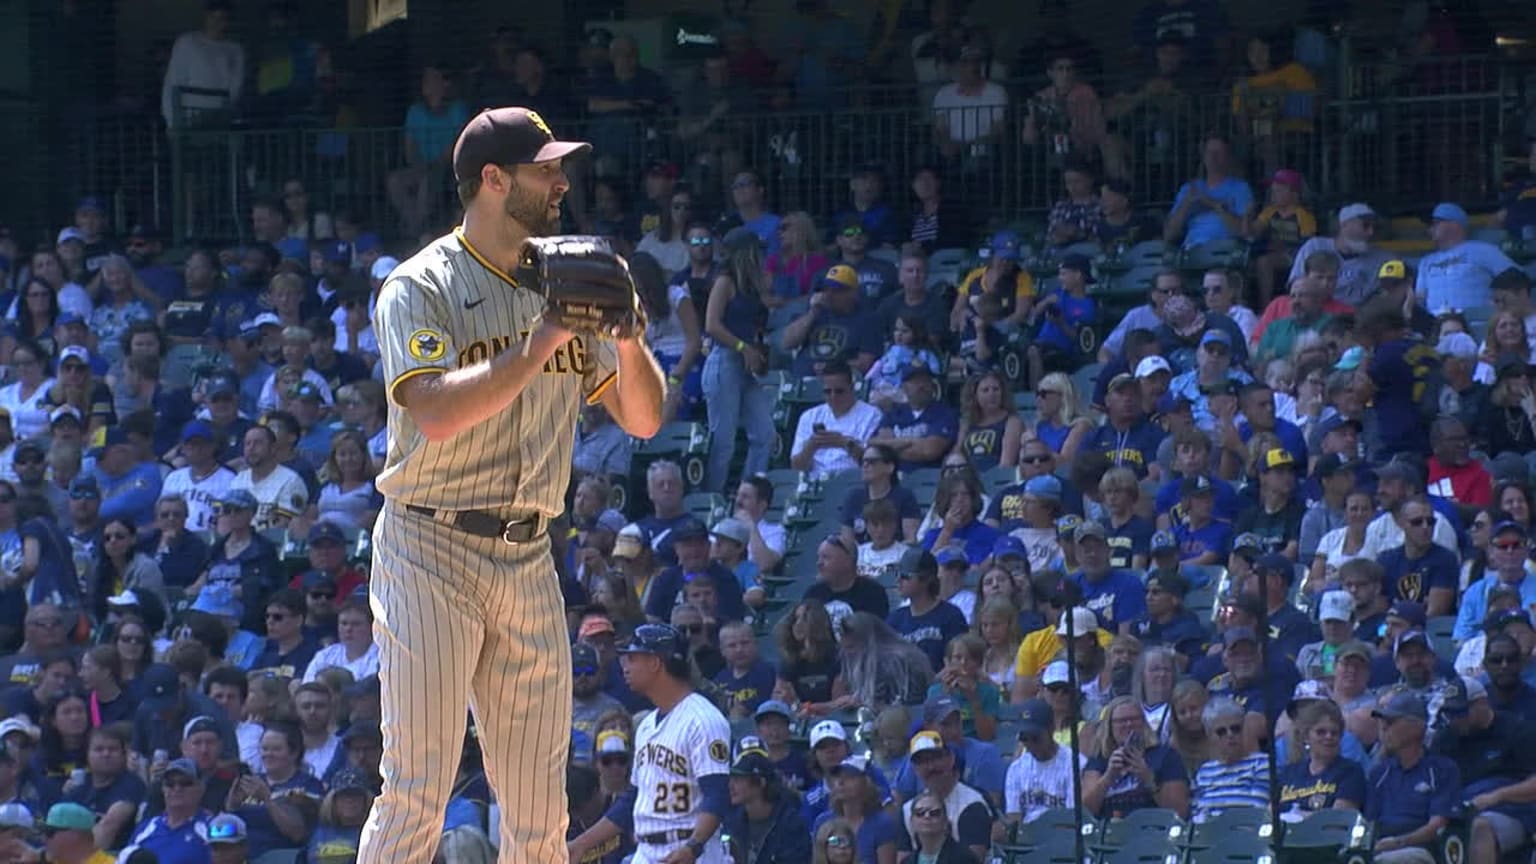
(1411, 793)
(1508, 546)
(923, 430)
(1166, 621)
(431, 127)
(1203, 539)
(1213, 374)
(747, 680)
(1257, 402)
(1213, 208)
(1459, 273)
(179, 835)
(958, 502)
(879, 221)
(833, 327)
(1290, 629)
(129, 487)
(926, 620)
(1127, 438)
(1421, 570)
(1059, 316)
(1116, 597)
(751, 211)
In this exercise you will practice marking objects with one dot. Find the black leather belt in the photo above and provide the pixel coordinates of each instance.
(483, 523)
(662, 838)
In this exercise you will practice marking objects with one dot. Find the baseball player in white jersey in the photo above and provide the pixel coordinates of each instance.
(483, 396)
(680, 773)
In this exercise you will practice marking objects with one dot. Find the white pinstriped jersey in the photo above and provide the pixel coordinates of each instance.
(692, 740)
(448, 307)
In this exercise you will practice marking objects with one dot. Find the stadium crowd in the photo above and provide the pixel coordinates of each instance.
(1282, 503)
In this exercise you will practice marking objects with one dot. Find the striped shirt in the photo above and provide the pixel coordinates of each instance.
(1220, 786)
(448, 307)
(1034, 787)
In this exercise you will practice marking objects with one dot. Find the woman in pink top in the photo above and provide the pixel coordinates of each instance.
(798, 264)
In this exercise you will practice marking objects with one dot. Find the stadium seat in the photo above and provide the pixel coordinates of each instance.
(1052, 827)
(1327, 836)
(923, 484)
(1439, 629)
(1245, 820)
(1234, 848)
(1217, 253)
(1152, 822)
(683, 443)
(707, 507)
(1145, 851)
(999, 478)
(949, 260)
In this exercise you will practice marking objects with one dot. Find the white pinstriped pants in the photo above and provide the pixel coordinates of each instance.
(463, 620)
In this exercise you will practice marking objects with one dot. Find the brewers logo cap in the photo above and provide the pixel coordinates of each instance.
(663, 640)
(507, 136)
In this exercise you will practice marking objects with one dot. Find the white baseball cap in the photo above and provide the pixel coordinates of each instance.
(1056, 673)
(17, 816)
(1356, 211)
(611, 741)
(825, 730)
(1152, 364)
(1336, 606)
(1458, 345)
(1084, 622)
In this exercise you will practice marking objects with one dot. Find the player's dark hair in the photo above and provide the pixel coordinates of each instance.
(467, 189)
(227, 676)
(271, 436)
(762, 486)
(285, 419)
(208, 631)
(143, 326)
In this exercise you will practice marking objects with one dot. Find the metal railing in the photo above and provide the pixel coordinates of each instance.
(1395, 136)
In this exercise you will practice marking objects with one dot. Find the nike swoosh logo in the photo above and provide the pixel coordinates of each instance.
(470, 304)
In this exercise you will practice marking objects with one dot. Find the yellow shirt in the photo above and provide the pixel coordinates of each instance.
(1041, 647)
(100, 857)
(1024, 284)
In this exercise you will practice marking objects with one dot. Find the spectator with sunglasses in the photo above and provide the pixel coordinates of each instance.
(289, 651)
(1422, 571)
(877, 276)
(589, 703)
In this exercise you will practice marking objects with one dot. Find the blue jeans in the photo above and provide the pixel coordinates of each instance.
(733, 398)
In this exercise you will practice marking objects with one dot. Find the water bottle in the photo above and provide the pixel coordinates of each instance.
(729, 857)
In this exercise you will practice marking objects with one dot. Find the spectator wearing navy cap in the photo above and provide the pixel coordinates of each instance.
(179, 835)
(837, 579)
(328, 547)
(1166, 621)
(1001, 278)
(1497, 765)
(924, 618)
(1411, 794)
(877, 276)
(1508, 547)
(1213, 365)
(247, 365)
(764, 822)
(771, 721)
(202, 481)
(1116, 597)
(923, 430)
(690, 543)
(1127, 437)
(129, 487)
(165, 707)
(1203, 539)
(1271, 578)
(1259, 680)
(336, 278)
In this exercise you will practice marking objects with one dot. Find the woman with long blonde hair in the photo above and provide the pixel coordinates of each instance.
(799, 264)
(348, 496)
(1059, 418)
(998, 625)
(734, 318)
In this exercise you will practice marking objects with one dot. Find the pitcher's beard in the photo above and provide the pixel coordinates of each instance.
(532, 212)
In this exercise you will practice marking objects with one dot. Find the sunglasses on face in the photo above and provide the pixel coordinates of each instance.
(1035, 460)
(1420, 521)
(700, 241)
(837, 842)
(584, 671)
(1500, 659)
(613, 760)
(177, 783)
(927, 812)
(322, 595)
(855, 231)
(1227, 731)
(1325, 732)
(277, 616)
(131, 640)
(117, 535)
